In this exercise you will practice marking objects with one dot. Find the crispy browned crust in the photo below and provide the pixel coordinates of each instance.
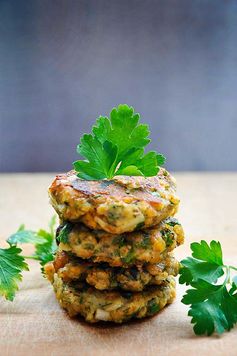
(119, 205)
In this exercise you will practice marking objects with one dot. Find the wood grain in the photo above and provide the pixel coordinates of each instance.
(34, 324)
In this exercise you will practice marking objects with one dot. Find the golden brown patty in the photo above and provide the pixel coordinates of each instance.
(148, 246)
(116, 306)
(104, 277)
(123, 204)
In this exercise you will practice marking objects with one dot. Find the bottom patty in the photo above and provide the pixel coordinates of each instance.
(115, 306)
(103, 277)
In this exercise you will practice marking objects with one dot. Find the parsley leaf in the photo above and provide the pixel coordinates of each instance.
(212, 253)
(64, 232)
(43, 241)
(44, 251)
(213, 307)
(145, 165)
(11, 266)
(24, 236)
(116, 147)
(193, 269)
(101, 158)
(12, 263)
(122, 129)
(207, 264)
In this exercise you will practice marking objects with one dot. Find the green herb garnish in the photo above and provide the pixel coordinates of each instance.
(11, 266)
(116, 147)
(13, 263)
(24, 236)
(213, 306)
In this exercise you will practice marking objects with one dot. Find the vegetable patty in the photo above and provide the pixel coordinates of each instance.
(123, 204)
(102, 276)
(116, 306)
(148, 246)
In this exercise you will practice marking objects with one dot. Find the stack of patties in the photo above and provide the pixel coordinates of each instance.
(114, 260)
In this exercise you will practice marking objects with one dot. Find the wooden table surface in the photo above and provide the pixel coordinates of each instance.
(34, 324)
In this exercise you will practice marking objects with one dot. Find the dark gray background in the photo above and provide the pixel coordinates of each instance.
(62, 63)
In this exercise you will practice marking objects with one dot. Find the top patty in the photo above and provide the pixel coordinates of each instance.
(120, 205)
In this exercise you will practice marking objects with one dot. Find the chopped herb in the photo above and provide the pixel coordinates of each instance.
(114, 213)
(88, 246)
(139, 225)
(172, 222)
(152, 307)
(168, 236)
(119, 240)
(146, 241)
(129, 257)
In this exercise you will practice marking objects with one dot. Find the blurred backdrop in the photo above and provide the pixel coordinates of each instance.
(63, 63)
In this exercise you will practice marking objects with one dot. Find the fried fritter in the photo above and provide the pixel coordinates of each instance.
(123, 204)
(103, 277)
(135, 248)
(116, 306)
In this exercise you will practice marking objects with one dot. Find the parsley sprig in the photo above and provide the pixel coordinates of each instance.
(13, 263)
(213, 305)
(116, 147)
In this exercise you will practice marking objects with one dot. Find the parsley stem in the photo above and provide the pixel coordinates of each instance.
(232, 267)
(227, 279)
(31, 257)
